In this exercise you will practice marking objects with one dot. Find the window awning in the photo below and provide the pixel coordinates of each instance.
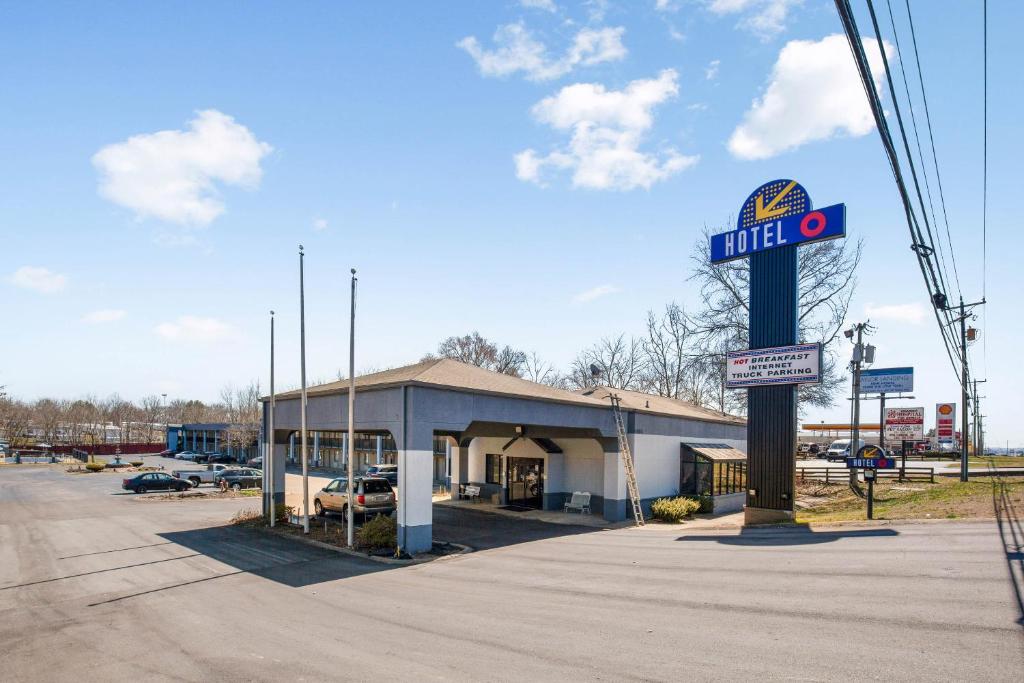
(716, 452)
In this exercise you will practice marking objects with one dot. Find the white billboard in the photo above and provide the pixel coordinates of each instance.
(886, 380)
(798, 364)
(903, 424)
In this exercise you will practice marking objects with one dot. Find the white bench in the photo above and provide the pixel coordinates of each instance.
(472, 492)
(580, 502)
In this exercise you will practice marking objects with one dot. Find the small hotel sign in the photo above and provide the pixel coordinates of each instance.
(799, 364)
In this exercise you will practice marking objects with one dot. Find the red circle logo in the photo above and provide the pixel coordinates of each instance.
(815, 217)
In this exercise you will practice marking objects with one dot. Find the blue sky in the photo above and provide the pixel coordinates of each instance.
(381, 138)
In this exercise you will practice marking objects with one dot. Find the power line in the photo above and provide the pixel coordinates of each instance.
(921, 250)
(928, 122)
(984, 186)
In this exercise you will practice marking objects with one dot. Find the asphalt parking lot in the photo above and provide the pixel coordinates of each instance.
(124, 589)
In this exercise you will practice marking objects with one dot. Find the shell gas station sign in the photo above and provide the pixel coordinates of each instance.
(945, 421)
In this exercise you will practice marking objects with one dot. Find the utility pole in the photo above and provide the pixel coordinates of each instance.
(858, 358)
(966, 334)
(350, 523)
(979, 442)
(302, 362)
(268, 465)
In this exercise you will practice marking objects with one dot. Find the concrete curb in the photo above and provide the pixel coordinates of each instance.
(463, 550)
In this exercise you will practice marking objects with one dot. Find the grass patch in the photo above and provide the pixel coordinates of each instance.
(947, 498)
(997, 461)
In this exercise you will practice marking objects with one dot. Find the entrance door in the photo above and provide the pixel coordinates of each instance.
(525, 482)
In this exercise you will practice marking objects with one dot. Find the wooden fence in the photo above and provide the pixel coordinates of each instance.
(838, 475)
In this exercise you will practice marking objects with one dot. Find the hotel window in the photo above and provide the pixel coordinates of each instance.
(493, 469)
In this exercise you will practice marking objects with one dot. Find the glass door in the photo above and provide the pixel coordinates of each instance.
(525, 482)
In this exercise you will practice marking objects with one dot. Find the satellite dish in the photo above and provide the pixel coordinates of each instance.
(595, 371)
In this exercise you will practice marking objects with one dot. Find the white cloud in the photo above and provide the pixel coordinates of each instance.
(546, 5)
(319, 224)
(711, 72)
(595, 293)
(105, 315)
(697, 106)
(188, 328)
(607, 129)
(171, 175)
(763, 18)
(517, 50)
(40, 279)
(814, 93)
(913, 313)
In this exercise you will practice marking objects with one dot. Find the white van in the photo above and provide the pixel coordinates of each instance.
(840, 449)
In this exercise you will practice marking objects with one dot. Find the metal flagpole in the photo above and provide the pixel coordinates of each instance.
(351, 404)
(302, 356)
(269, 463)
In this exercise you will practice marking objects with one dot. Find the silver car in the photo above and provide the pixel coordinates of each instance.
(373, 496)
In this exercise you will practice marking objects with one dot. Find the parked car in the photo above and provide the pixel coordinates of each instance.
(238, 478)
(166, 453)
(256, 462)
(377, 470)
(199, 476)
(373, 496)
(220, 457)
(840, 449)
(154, 481)
(186, 455)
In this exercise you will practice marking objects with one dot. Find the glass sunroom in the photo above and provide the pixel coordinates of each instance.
(716, 470)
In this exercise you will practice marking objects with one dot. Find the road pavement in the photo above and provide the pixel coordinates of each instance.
(96, 585)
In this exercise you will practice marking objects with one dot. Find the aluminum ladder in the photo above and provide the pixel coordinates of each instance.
(627, 461)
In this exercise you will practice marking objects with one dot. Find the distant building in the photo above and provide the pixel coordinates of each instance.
(212, 437)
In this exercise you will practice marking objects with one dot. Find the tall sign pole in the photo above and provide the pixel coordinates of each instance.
(268, 466)
(773, 220)
(302, 362)
(351, 406)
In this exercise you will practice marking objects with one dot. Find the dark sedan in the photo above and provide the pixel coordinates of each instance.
(154, 481)
(239, 478)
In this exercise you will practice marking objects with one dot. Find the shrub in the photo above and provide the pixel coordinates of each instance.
(283, 512)
(674, 509)
(95, 466)
(380, 533)
(136, 463)
(707, 506)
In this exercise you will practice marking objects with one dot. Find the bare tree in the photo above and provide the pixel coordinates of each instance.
(620, 362)
(537, 370)
(668, 357)
(476, 350)
(242, 412)
(826, 278)
(14, 420)
(151, 413)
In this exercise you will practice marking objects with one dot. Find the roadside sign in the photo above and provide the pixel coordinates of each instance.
(798, 364)
(904, 424)
(886, 380)
(778, 214)
(872, 457)
(945, 419)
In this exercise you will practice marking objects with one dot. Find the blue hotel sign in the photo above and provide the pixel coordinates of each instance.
(778, 214)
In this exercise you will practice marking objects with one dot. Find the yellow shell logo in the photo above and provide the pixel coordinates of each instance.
(945, 409)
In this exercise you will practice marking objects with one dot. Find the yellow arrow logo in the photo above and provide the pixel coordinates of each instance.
(764, 213)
